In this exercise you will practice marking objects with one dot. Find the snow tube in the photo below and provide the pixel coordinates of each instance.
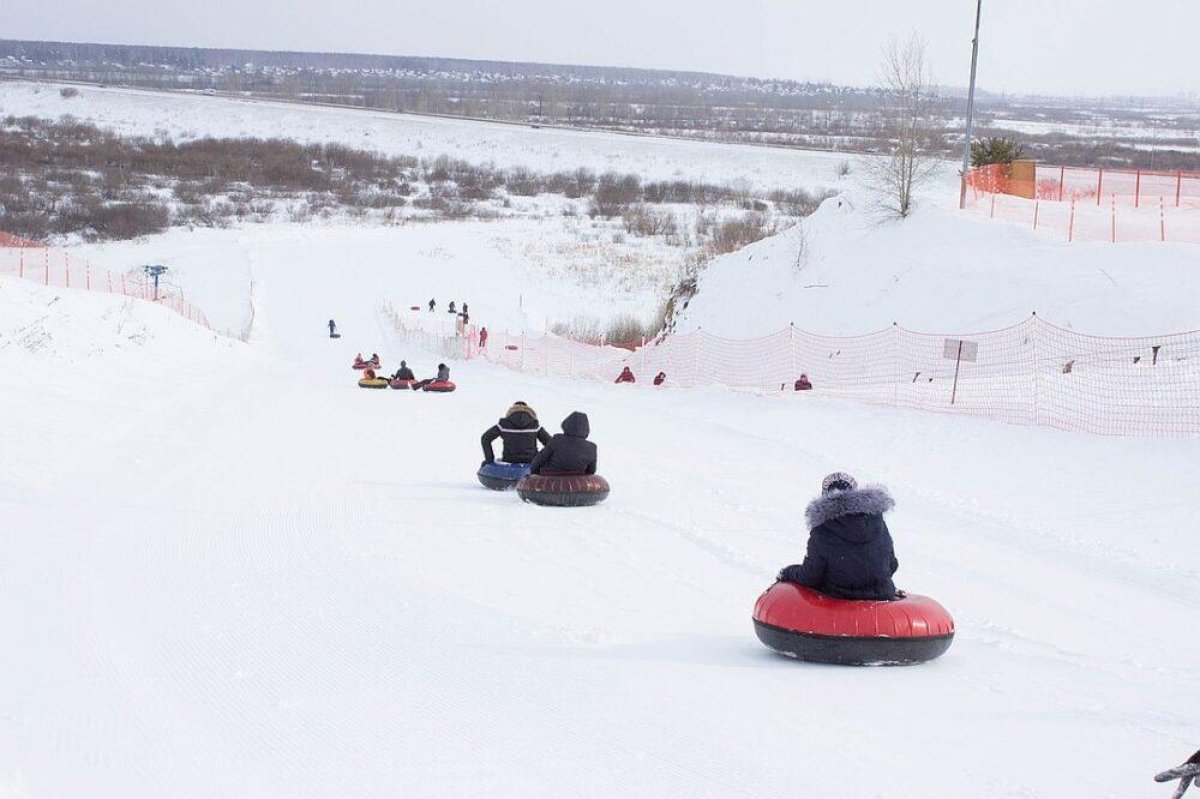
(335, 335)
(440, 386)
(807, 625)
(365, 365)
(563, 490)
(401, 383)
(378, 382)
(501, 476)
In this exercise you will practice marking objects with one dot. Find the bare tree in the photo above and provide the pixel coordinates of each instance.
(910, 123)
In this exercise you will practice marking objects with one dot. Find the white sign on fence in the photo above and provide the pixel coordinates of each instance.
(958, 350)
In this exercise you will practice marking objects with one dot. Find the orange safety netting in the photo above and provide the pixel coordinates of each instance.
(1032, 373)
(54, 267)
(1080, 204)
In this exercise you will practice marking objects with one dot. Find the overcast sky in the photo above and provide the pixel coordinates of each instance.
(1048, 46)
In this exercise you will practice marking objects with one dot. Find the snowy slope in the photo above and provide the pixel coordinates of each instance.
(844, 271)
(244, 576)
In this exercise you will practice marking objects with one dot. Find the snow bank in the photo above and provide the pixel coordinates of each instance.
(843, 271)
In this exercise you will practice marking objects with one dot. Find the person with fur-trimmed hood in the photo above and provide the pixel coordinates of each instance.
(568, 452)
(521, 433)
(850, 552)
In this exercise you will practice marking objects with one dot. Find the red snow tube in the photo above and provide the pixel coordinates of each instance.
(807, 625)
(401, 383)
(440, 386)
(365, 365)
(563, 490)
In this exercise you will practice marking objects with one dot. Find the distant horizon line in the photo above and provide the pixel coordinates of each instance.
(952, 88)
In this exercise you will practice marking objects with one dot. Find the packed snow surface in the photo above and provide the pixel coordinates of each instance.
(226, 570)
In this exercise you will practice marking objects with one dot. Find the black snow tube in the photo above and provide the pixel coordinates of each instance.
(563, 490)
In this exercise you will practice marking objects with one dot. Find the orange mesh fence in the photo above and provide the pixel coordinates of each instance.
(1092, 204)
(1033, 373)
(54, 267)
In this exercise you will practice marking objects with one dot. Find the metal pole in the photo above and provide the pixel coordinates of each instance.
(962, 190)
(957, 365)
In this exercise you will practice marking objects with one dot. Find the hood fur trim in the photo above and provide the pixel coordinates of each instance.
(868, 499)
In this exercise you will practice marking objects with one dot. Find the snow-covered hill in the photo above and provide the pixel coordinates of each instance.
(845, 271)
(226, 570)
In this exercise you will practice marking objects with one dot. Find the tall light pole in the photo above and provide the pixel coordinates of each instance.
(962, 188)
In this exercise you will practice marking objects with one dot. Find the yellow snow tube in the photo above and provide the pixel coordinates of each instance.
(375, 382)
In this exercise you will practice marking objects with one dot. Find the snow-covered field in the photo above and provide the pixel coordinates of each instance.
(227, 571)
(184, 117)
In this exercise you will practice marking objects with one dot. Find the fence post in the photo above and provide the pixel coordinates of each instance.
(21, 266)
(1099, 185)
(1114, 219)
(1036, 207)
(1162, 218)
(1062, 181)
(1071, 222)
(88, 273)
(1033, 351)
(993, 212)
(47, 260)
(67, 268)
(1178, 187)
(1137, 190)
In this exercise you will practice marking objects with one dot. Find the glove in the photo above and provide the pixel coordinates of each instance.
(787, 574)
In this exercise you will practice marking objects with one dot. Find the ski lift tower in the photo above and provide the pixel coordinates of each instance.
(154, 270)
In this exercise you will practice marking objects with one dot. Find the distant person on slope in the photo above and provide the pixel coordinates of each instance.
(432, 305)
(404, 373)
(626, 376)
(451, 306)
(443, 376)
(483, 337)
(803, 383)
(568, 452)
(850, 553)
(368, 374)
(521, 432)
(332, 328)
(660, 378)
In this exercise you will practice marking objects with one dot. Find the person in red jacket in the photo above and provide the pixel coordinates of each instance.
(483, 334)
(626, 376)
(660, 378)
(803, 383)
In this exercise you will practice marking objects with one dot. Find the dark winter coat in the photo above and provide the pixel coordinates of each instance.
(404, 373)
(569, 452)
(850, 552)
(521, 433)
(443, 373)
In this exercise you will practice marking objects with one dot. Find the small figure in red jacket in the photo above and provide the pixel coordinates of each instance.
(660, 378)
(803, 383)
(483, 334)
(626, 376)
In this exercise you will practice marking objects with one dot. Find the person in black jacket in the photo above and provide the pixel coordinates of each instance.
(404, 373)
(850, 553)
(521, 433)
(443, 376)
(568, 452)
